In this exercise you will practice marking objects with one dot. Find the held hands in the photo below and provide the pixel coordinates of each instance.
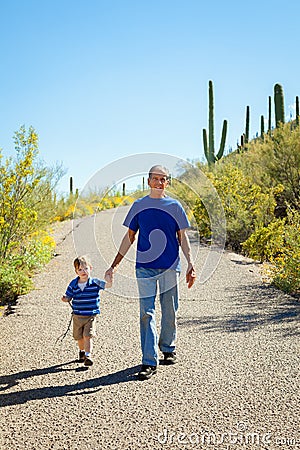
(109, 277)
(190, 276)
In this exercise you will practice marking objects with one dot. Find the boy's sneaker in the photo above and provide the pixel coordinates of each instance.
(146, 372)
(81, 356)
(170, 358)
(88, 361)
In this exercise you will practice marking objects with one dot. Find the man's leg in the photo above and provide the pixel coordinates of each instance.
(169, 294)
(147, 286)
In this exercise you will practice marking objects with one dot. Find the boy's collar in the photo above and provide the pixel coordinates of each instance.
(88, 281)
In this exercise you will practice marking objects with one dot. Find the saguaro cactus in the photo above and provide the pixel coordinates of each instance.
(262, 126)
(279, 104)
(247, 124)
(209, 144)
(71, 185)
(270, 115)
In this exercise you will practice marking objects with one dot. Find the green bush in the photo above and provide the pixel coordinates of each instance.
(284, 267)
(274, 161)
(13, 282)
(246, 206)
(26, 201)
(267, 242)
(17, 270)
(27, 206)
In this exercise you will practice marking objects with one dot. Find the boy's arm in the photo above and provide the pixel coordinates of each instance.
(103, 284)
(186, 250)
(67, 297)
(126, 243)
(108, 282)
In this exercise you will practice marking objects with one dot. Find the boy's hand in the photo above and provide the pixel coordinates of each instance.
(190, 276)
(65, 299)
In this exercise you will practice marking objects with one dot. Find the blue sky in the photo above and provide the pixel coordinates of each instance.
(100, 80)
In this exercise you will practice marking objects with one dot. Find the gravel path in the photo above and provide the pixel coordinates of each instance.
(236, 385)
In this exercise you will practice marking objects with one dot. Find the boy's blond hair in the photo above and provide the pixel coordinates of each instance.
(82, 260)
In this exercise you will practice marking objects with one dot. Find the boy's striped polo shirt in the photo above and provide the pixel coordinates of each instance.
(86, 302)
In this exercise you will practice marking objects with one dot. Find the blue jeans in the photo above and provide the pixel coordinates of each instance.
(148, 280)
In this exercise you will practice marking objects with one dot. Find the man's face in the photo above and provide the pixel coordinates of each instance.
(158, 181)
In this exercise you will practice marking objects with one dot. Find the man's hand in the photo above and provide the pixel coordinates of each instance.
(65, 299)
(190, 276)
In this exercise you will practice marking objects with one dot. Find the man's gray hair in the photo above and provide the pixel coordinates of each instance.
(158, 169)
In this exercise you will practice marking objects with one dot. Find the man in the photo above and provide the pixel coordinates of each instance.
(161, 224)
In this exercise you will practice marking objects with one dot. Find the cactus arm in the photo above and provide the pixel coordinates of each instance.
(205, 146)
(223, 139)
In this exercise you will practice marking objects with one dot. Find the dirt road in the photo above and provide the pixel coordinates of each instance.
(236, 385)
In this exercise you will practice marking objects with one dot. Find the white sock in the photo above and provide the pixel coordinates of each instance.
(87, 354)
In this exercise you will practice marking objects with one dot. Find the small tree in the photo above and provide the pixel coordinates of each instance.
(26, 198)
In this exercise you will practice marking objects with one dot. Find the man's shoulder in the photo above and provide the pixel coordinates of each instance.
(172, 201)
(141, 200)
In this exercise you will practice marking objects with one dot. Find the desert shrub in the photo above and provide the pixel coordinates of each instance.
(17, 269)
(74, 207)
(246, 206)
(275, 160)
(266, 242)
(26, 201)
(284, 267)
(27, 205)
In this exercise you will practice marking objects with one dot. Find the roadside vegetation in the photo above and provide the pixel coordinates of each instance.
(259, 190)
(258, 186)
(28, 210)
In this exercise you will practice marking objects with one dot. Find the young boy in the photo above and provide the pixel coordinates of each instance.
(83, 295)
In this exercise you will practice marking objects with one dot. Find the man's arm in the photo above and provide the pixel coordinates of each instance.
(126, 243)
(186, 250)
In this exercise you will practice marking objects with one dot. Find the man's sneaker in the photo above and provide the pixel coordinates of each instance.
(146, 372)
(170, 358)
(81, 356)
(88, 361)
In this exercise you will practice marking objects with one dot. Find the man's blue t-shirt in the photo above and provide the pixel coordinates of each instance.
(157, 220)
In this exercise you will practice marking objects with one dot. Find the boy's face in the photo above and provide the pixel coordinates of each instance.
(83, 271)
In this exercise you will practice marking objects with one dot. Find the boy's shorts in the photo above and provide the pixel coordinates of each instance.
(84, 326)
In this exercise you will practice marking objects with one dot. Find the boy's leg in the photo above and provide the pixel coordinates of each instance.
(81, 350)
(89, 332)
(78, 336)
(88, 344)
(81, 344)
